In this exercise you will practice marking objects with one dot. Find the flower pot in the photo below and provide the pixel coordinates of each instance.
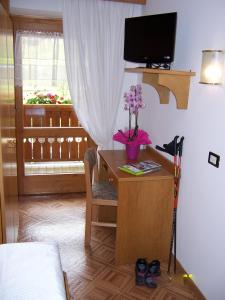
(132, 151)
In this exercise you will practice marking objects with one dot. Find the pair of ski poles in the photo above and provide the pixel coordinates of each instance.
(175, 149)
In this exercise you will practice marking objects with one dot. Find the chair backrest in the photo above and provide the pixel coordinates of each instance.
(90, 163)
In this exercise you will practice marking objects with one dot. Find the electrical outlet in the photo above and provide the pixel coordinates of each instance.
(214, 159)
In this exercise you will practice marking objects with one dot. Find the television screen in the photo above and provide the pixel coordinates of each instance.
(150, 39)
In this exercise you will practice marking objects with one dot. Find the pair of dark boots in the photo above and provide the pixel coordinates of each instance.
(145, 273)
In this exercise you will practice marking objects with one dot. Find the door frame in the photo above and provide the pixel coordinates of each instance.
(40, 183)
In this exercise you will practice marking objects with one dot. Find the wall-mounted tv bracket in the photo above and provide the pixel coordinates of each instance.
(162, 66)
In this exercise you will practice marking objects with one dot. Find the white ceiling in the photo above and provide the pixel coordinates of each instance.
(40, 8)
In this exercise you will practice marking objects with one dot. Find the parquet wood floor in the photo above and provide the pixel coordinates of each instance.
(92, 274)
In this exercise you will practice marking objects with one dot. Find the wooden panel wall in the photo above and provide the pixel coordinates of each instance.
(8, 165)
(32, 23)
(5, 4)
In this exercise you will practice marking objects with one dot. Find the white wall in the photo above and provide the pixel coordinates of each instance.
(201, 221)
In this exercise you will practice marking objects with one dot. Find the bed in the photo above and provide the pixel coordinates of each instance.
(31, 271)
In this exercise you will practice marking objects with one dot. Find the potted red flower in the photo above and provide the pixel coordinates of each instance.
(133, 138)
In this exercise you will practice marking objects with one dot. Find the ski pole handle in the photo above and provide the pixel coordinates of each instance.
(160, 148)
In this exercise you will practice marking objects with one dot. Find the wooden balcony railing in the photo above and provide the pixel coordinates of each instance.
(53, 133)
(50, 115)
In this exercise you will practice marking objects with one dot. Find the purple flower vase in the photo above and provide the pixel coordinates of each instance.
(132, 151)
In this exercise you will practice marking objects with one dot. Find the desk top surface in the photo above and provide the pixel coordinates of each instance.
(117, 158)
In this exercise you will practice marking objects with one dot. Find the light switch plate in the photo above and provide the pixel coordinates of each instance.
(214, 159)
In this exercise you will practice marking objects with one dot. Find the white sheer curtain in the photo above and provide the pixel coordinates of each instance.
(40, 61)
(93, 39)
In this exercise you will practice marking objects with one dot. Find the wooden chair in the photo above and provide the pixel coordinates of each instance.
(97, 194)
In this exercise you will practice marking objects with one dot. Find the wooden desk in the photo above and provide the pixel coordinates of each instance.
(144, 212)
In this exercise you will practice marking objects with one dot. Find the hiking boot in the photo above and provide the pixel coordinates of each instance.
(141, 269)
(154, 268)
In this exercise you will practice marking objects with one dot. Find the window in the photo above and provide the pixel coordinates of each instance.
(42, 67)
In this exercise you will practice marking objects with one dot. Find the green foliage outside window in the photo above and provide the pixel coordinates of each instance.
(46, 98)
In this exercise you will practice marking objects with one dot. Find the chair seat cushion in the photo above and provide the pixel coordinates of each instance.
(104, 190)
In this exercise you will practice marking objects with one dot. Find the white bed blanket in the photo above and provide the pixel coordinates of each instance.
(31, 271)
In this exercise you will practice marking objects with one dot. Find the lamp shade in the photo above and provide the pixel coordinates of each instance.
(212, 69)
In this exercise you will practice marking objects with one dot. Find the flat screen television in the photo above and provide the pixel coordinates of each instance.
(150, 39)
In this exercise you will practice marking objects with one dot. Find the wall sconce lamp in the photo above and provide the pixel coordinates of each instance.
(212, 69)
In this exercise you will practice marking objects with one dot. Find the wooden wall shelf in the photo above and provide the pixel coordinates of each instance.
(164, 81)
